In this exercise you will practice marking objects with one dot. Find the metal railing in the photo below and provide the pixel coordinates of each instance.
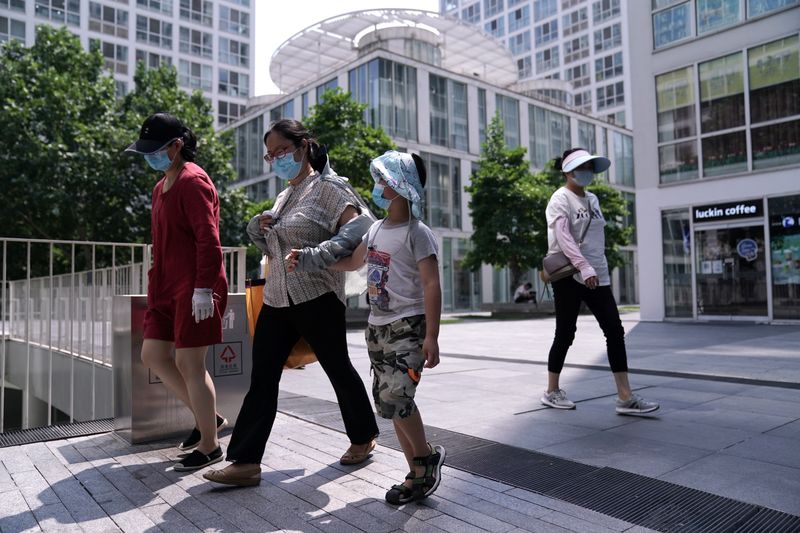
(56, 298)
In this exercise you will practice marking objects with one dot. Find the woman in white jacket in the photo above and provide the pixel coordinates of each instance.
(571, 213)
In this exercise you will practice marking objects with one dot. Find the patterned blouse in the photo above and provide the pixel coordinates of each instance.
(307, 214)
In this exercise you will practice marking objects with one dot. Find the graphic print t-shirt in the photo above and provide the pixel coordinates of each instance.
(394, 286)
(565, 203)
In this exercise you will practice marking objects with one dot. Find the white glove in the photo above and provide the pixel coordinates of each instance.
(202, 304)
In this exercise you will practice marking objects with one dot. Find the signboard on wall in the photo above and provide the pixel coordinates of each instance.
(728, 211)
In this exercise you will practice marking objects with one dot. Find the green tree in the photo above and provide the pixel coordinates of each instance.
(614, 210)
(61, 139)
(338, 122)
(156, 91)
(507, 207)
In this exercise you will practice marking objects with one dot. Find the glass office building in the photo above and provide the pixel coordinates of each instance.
(718, 159)
(424, 84)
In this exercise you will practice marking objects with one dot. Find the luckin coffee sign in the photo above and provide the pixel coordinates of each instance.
(728, 211)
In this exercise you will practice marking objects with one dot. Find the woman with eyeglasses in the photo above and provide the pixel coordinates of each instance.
(576, 227)
(187, 290)
(318, 210)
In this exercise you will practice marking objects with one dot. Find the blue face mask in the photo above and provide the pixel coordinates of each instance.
(286, 167)
(377, 196)
(158, 161)
(583, 177)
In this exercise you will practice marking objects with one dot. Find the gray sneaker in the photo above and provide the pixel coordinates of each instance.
(557, 399)
(636, 405)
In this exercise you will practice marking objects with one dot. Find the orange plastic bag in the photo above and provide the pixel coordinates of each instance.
(301, 354)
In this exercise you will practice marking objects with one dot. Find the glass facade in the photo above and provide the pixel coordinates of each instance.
(586, 136)
(482, 116)
(623, 160)
(508, 109)
(248, 159)
(676, 238)
(390, 91)
(549, 134)
(330, 84)
(448, 103)
(784, 228)
(443, 191)
(676, 20)
(763, 80)
(461, 288)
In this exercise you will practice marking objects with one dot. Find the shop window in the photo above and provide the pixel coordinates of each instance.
(676, 250)
(784, 229)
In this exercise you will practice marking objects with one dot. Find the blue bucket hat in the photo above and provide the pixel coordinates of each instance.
(399, 171)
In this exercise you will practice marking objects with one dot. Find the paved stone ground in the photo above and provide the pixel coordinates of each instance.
(100, 483)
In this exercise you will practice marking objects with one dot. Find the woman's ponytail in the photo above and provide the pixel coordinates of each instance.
(189, 150)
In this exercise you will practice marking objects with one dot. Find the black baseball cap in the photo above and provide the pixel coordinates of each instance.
(157, 132)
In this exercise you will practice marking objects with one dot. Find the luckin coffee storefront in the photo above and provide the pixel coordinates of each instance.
(734, 260)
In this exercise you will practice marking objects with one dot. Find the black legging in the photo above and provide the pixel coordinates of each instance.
(321, 322)
(568, 294)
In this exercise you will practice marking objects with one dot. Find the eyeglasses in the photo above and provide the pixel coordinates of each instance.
(269, 158)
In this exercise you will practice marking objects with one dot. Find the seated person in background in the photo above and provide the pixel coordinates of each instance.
(524, 293)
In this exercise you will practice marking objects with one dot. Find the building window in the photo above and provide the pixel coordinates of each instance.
(234, 21)
(108, 20)
(152, 59)
(520, 43)
(576, 49)
(676, 238)
(604, 10)
(623, 159)
(608, 67)
(304, 107)
(610, 95)
(443, 191)
(234, 83)
(285, 110)
(785, 251)
(675, 105)
(248, 160)
(717, 14)
(194, 75)
(776, 146)
(575, 21)
(11, 29)
(390, 91)
(519, 19)
(544, 8)
(234, 52)
(774, 76)
(578, 75)
(63, 11)
(546, 32)
(495, 27)
(608, 37)
(546, 59)
(757, 8)
(482, 116)
(583, 101)
(199, 11)
(678, 162)
(164, 6)
(586, 137)
(448, 102)
(492, 7)
(566, 4)
(228, 112)
(195, 42)
(724, 154)
(120, 88)
(16, 5)
(549, 134)
(330, 84)
(115, 55)
(672, 25)
(721, 93)
(153, 31)
(524, 67)
(508, 109)
(472, 14)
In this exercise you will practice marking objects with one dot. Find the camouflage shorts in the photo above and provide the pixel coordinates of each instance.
(395, 351)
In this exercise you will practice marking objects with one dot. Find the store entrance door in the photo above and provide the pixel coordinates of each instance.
(731, 272)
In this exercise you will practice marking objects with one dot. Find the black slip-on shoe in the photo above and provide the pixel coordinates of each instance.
(197, 460)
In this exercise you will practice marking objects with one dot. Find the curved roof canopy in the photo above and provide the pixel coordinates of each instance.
(323, 47)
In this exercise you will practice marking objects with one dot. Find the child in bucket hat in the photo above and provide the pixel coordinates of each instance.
(405, 299)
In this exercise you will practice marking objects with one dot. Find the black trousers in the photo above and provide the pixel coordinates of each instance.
(321, 322)
(568, 295)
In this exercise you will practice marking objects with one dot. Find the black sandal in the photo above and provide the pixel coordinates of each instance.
(400, 494)
(427, 484)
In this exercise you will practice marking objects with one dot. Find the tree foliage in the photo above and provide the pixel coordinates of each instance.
(507, 207)
(338, 122)
(63, 133)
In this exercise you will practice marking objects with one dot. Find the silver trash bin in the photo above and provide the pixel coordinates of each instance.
(144, 410)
